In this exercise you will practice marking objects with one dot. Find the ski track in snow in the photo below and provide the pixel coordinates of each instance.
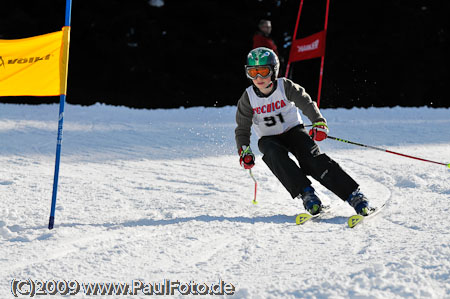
(159, 194)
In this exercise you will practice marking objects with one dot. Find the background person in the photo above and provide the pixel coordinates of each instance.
(262, 37)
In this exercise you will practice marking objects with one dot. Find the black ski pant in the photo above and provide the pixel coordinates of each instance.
(276, 149)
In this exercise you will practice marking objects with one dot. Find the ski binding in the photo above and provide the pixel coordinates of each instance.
(304, 217)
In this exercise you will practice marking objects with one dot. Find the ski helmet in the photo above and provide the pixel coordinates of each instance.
(264, 57)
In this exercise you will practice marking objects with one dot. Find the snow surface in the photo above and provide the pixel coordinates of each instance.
(158, 194)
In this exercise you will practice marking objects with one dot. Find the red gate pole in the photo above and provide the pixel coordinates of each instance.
(323, 56)
(295, 35)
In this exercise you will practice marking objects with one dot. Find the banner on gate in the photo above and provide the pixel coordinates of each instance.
(35, 66)
(309, 47)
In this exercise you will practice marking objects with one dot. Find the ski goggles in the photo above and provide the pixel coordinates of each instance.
(254, 71)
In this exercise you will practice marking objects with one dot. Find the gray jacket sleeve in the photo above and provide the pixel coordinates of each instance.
(302, 100)
(244, 117)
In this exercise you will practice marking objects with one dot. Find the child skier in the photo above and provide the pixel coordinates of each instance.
(271, 106)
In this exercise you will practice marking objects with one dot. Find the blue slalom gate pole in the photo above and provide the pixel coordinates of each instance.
(62, 100)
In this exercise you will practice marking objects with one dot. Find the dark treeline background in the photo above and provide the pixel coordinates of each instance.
(192, 52)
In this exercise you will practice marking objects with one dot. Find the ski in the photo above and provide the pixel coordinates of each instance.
(357, 219)
(304, 217)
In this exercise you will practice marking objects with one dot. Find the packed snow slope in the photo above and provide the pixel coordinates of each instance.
(155, 195)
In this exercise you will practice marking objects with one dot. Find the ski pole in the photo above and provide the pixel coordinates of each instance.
(256, 186)
(387, 151)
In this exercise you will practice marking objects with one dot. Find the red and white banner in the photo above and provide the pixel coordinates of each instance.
(309, 47)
